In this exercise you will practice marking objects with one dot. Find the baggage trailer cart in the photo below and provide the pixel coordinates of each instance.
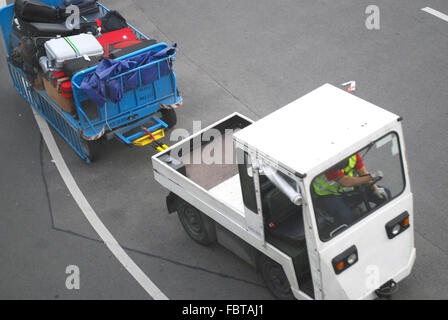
(148, 108)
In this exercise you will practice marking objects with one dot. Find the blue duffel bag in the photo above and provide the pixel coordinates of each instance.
(98, 86)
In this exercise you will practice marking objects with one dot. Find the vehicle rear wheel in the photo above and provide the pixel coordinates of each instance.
(275, 278)
(197, 225)
(91, 148)
(169, 117)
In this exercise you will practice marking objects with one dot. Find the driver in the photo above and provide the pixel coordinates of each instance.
(332, 188)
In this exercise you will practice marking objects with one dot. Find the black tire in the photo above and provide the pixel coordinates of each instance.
(275, 278)
(169, 117)
(88, 150)
(198, 226)
(91, 148)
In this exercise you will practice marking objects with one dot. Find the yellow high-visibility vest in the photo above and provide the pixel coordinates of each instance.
(323, 187)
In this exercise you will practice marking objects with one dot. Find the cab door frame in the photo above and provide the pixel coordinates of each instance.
(311, 235)
(290, 271)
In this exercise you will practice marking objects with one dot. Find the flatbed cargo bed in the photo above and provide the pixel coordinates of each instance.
(200, 179)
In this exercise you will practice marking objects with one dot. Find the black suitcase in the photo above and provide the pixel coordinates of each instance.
(113, 21)
(86, 7)
(116, 53)
(71, 67)
(36, 11)
(43, 29)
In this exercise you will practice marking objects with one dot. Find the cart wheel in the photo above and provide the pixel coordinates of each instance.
(275, 278)
(169, 117)
(90, 149)
(198, 226)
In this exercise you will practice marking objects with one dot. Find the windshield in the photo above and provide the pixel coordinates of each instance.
(355, 187)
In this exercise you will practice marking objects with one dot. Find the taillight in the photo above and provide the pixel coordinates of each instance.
(345, 260)
(397, 225)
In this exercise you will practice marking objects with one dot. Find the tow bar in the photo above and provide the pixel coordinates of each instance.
(387, 290)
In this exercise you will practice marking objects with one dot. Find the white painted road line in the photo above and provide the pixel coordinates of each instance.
(436, 13)
(92, 217)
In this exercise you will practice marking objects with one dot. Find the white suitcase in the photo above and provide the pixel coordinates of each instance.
(66, 48)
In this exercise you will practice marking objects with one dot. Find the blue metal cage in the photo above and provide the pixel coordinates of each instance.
(139, 107)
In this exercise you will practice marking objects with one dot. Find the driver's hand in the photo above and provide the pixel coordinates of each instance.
(377, 174)
(381, 194)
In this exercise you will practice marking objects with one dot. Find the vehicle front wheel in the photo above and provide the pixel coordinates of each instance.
(169, 117)
(275, 278)
(197, 225)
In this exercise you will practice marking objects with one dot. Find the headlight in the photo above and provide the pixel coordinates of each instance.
(352, 258)
(345, 260)
(396, 229)
(397, 225)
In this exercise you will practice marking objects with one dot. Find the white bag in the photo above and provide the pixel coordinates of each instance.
(66, 48)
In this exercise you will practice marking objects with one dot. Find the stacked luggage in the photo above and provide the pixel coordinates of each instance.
(50, 51)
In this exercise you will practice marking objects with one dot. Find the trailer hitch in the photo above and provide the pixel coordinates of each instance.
(141, 133)
(153, 136)
(386, 291)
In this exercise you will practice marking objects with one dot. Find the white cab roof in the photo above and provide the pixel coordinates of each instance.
(314, 128)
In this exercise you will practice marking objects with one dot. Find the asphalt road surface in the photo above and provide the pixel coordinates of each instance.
(247, 56)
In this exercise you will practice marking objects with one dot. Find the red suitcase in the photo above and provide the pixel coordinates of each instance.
(108, 48)
(66, 89)
(113, 37)
(63, 84)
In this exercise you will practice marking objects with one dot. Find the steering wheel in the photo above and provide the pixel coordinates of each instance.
(364, 188)
(374, 181)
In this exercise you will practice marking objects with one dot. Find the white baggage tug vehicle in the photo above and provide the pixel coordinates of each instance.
(261, 201)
